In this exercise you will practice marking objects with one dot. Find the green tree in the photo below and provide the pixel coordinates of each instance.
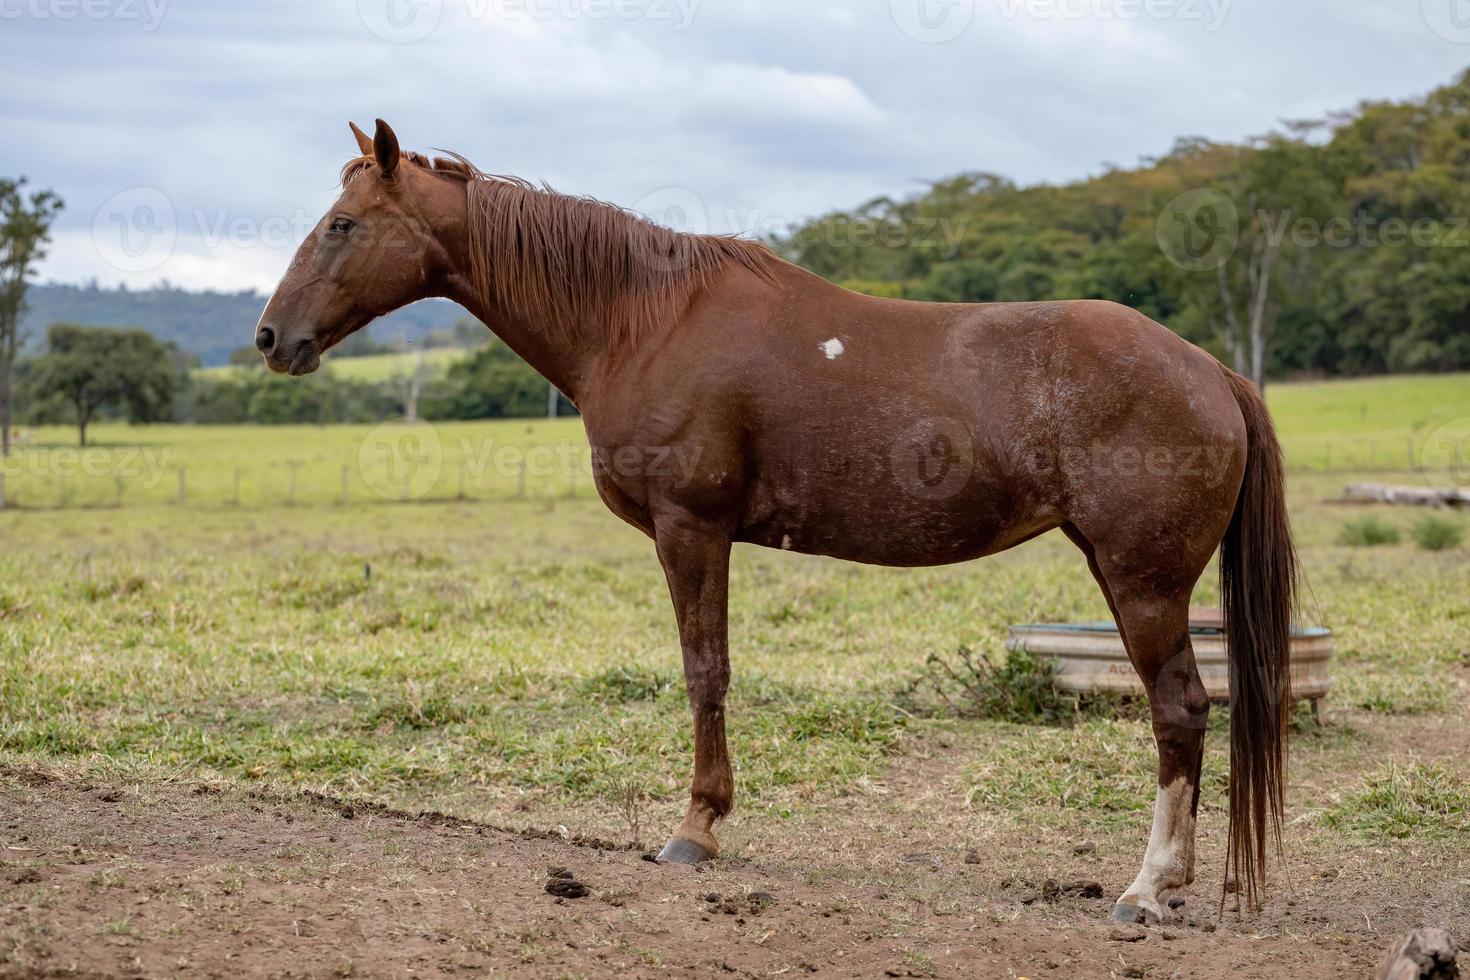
(92, 368)
(246, 357)
(492, 383)
(1350, 241)
(25, 230)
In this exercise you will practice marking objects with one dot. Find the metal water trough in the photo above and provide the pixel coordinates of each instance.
(1090, 657)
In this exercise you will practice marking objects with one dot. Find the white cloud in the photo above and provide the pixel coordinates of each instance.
(768, 111)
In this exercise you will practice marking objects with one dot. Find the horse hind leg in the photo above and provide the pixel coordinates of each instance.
(1156, 632)
(1154, 623)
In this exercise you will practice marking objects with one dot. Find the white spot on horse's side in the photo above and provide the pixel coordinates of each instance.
(832, 348)
(785, 542)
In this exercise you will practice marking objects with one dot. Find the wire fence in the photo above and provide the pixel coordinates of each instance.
(1389, 454)
(294, 483)
(406, 469)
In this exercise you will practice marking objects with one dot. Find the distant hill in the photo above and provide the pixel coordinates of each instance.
(207, 324)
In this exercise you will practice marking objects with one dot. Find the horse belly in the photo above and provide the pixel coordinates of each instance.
(888, 523)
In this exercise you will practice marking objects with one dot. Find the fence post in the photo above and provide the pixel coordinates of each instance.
(183, 487)
(2, 491)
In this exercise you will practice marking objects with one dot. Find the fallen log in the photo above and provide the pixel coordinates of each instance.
(1424, 954)
(1383, 493)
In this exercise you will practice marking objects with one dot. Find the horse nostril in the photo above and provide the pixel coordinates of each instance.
(265, 340)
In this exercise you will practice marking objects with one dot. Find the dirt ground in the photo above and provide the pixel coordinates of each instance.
(142, 880)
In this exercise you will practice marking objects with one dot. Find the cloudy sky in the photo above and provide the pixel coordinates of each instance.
(197, 140)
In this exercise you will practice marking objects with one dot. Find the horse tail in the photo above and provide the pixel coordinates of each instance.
(1257, 581)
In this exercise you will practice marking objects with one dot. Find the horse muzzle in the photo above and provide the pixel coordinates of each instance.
(282, 357)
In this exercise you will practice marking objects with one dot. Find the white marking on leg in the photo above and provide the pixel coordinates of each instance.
(832, 348)
(1170, 848)
(785, 542)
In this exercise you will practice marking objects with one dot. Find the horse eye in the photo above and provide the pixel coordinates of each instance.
(341, 226)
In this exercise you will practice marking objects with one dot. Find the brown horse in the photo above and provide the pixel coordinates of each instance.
(831, 423)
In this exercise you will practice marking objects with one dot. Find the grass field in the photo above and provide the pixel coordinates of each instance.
(512, 657)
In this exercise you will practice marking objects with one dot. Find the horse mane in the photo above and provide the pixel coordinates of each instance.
(570, 261)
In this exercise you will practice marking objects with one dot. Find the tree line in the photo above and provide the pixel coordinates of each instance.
(208, 324)
(1330, 247)
(87, 374)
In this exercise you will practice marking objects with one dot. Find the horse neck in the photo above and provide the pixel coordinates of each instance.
(565, 356)
(571, 355)
(557, 354)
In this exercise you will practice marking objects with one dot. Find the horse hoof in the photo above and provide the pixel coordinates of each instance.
(1133, 914)
(681, 851)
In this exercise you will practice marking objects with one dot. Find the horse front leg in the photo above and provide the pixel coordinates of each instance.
(696, 561)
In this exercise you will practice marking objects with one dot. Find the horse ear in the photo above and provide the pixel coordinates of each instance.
(385, 148)
(364, 142)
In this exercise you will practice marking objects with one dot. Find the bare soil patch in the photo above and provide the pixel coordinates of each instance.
(123, 880)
